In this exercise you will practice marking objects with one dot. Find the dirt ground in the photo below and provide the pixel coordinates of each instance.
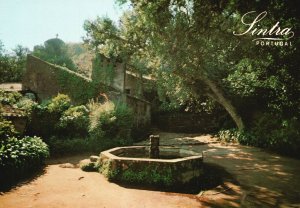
(255, 178)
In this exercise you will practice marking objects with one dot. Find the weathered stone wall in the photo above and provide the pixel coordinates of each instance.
(137, 86)
(133, 85)
(110, 73)
(47, 80)
(119, 77)
(141, 110)
(187, 122)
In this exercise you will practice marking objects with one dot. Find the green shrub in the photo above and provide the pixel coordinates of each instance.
(74, 121)
(27, 105)
(9, 98)
(20, 157)
(65, 146)
(7, 129)
(110, 124)
(17, 101)
(45, 117)
(98, 110)
(68, 146)
(59, 103)
(235, 136)
(76, 129)
(270, 132)
(124, 121)
(43, 122)
(281, 135)
(89, 166)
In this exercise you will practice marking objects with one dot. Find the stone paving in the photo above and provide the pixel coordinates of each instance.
(261, 178)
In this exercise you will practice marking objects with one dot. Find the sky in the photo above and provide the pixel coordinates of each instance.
(32, 22)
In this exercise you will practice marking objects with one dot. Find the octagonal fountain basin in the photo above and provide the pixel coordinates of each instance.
(171, 167)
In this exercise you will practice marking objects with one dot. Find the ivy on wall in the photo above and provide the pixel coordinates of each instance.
(103, 70)
(79, 88)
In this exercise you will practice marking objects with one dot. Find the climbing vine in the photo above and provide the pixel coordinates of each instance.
(79, 88)
(103, 71)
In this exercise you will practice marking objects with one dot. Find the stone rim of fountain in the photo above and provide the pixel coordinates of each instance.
(110, 154)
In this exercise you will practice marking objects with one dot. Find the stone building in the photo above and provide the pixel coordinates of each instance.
(47, 80)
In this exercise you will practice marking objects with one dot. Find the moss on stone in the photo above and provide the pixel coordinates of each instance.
(149, 176)
(136, 174)
(106, 169)
(89, 166)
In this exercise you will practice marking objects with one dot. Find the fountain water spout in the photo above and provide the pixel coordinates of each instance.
(154, 146)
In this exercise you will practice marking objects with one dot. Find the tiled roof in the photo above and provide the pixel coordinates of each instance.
(11, 87)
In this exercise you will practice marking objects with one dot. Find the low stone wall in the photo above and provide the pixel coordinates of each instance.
(186, 122)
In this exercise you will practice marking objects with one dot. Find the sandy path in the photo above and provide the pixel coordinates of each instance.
(70, 187)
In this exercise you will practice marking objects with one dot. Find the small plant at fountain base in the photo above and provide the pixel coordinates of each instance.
(149, 175)
(106, 169)
(89, 166)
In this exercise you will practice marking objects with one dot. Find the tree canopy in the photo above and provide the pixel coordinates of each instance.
(193, 50)
(55, 51)
(12, 66)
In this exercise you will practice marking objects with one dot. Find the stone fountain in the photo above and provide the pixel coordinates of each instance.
(154, 164)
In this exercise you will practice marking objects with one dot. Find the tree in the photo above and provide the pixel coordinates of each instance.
(20, 56)
(55, 51)
(194, 42)
(166, 42)
(1, 48)
(12, 66)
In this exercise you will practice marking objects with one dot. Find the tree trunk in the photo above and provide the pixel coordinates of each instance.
(219, 96)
